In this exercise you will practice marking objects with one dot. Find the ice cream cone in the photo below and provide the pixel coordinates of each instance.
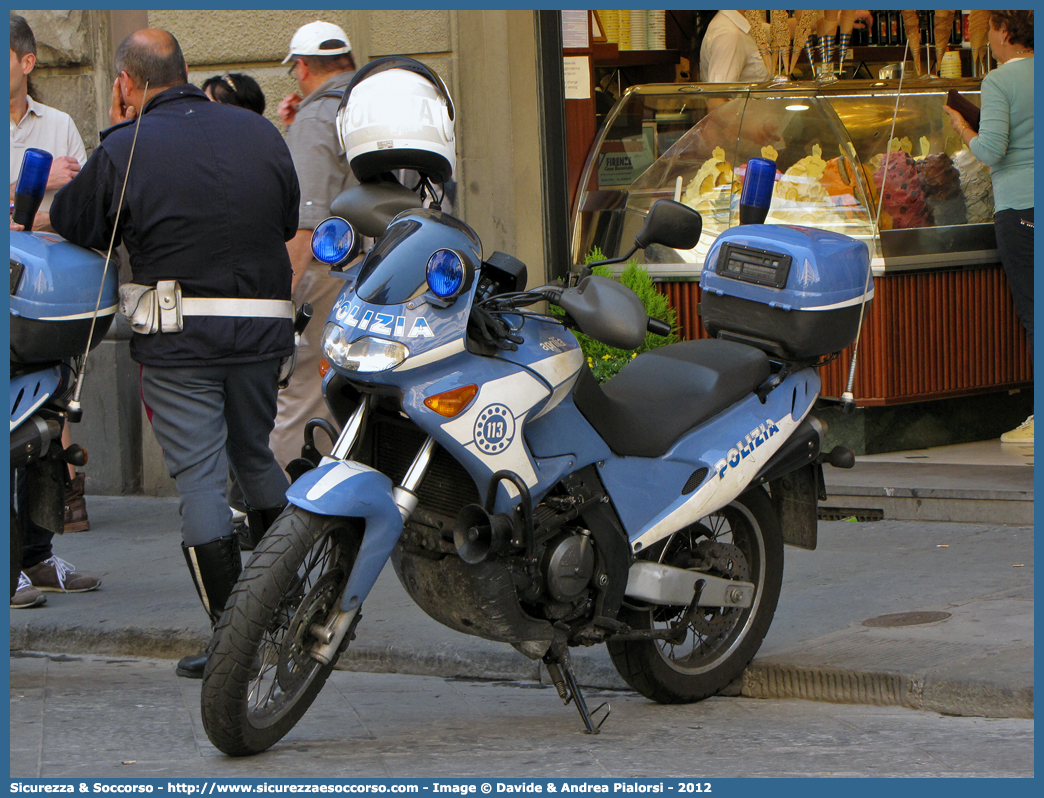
(779, 41)
(846, 21)
(913, 36)
(812, 45)
(842, 49)
(830, 19)
(803, 32)
(978, 30)
(760, 36)
(943, 28)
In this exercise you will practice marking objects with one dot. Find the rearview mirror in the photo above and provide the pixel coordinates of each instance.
(670, 224)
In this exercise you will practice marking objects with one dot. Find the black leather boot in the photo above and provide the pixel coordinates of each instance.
(258, 522)
(214, 567)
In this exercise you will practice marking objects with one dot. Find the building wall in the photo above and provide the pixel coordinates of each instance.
(487, 59)
(69, 44)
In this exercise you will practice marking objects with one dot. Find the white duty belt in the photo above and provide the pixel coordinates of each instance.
(255, 308)
(162, 308)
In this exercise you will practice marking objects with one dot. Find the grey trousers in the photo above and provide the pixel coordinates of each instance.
(302, 400)
(208, 419)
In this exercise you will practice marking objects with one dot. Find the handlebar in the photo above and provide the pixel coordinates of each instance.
(553, 293)
(304, 315)
(658, 327)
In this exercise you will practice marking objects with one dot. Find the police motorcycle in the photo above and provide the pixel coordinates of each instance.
(63, 300)
(517, 499)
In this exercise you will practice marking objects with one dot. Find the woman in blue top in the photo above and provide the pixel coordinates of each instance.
(1005, 144)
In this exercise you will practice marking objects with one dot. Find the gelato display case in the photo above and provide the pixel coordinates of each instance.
(835, 147)
(874, 160)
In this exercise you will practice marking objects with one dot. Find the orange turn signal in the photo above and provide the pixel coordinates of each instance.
(324, 367)
(451, 403)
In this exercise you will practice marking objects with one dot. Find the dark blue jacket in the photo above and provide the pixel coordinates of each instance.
(211, 201)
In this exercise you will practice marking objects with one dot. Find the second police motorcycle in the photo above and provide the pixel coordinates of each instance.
(516, 497)
(62, 302)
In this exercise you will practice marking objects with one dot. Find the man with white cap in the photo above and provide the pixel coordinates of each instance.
(321, 62)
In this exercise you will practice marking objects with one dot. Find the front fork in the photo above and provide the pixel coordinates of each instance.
(332, 634)
(404, 495)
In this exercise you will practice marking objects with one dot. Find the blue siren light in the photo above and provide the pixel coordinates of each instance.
(333, 240)
(29, 190)
(756, 196)
(446, 273)
(36, 166)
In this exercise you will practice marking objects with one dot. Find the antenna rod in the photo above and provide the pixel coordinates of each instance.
(847, 398)
(74, 405)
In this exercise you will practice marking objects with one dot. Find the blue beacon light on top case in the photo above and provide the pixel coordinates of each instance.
(757, 190)
(31, 185)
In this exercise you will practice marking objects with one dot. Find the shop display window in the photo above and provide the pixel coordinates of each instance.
(691, 143)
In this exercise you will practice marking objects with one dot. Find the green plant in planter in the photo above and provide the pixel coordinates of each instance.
(606, 361)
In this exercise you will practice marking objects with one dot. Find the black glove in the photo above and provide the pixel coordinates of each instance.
(493, 330)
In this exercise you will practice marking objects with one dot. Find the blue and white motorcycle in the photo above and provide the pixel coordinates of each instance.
(521, 501)
(63, 301)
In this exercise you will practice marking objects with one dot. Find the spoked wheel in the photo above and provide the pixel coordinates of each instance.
(742, 541)
(260, 678)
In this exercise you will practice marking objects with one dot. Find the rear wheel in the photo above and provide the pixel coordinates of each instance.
(260, 678)
(741, 541)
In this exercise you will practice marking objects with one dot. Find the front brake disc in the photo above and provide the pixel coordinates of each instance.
(295, 661)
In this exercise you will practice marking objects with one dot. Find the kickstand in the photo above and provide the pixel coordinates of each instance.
(558, 666)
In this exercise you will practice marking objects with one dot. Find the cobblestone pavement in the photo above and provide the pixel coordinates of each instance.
(98, 717)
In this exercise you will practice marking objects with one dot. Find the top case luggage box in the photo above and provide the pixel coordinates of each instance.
(54, 291)
(795, 292)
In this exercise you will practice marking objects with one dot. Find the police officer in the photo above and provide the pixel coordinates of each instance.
(211, 198)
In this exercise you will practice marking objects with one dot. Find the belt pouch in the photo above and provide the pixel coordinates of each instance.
(139, 305)
(168, 295)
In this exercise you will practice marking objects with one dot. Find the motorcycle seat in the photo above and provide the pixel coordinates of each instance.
(665, 392)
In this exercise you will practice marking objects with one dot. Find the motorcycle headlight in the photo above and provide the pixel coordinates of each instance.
(364, 355)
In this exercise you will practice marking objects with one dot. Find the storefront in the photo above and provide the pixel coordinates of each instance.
(941, 324)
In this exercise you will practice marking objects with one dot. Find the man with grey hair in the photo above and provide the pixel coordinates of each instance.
(321, 62)
(210, 200)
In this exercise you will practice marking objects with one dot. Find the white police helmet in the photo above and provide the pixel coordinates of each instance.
(397, 114)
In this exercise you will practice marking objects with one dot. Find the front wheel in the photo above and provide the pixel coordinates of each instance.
(260, 679)
(741, 541)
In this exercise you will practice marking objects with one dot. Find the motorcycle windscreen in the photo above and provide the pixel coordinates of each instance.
(395, 270)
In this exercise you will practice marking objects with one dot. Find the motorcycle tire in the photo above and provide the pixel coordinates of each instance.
(259, 680)
(719, 643)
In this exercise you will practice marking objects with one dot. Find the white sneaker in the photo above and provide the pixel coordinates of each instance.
(1021, 434)
(26, 595)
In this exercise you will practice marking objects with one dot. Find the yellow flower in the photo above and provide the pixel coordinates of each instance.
(590, 361)
(634, 355)
(605, 357)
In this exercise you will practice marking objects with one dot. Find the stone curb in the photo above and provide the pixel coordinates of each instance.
(759, 680)
(840, 686)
